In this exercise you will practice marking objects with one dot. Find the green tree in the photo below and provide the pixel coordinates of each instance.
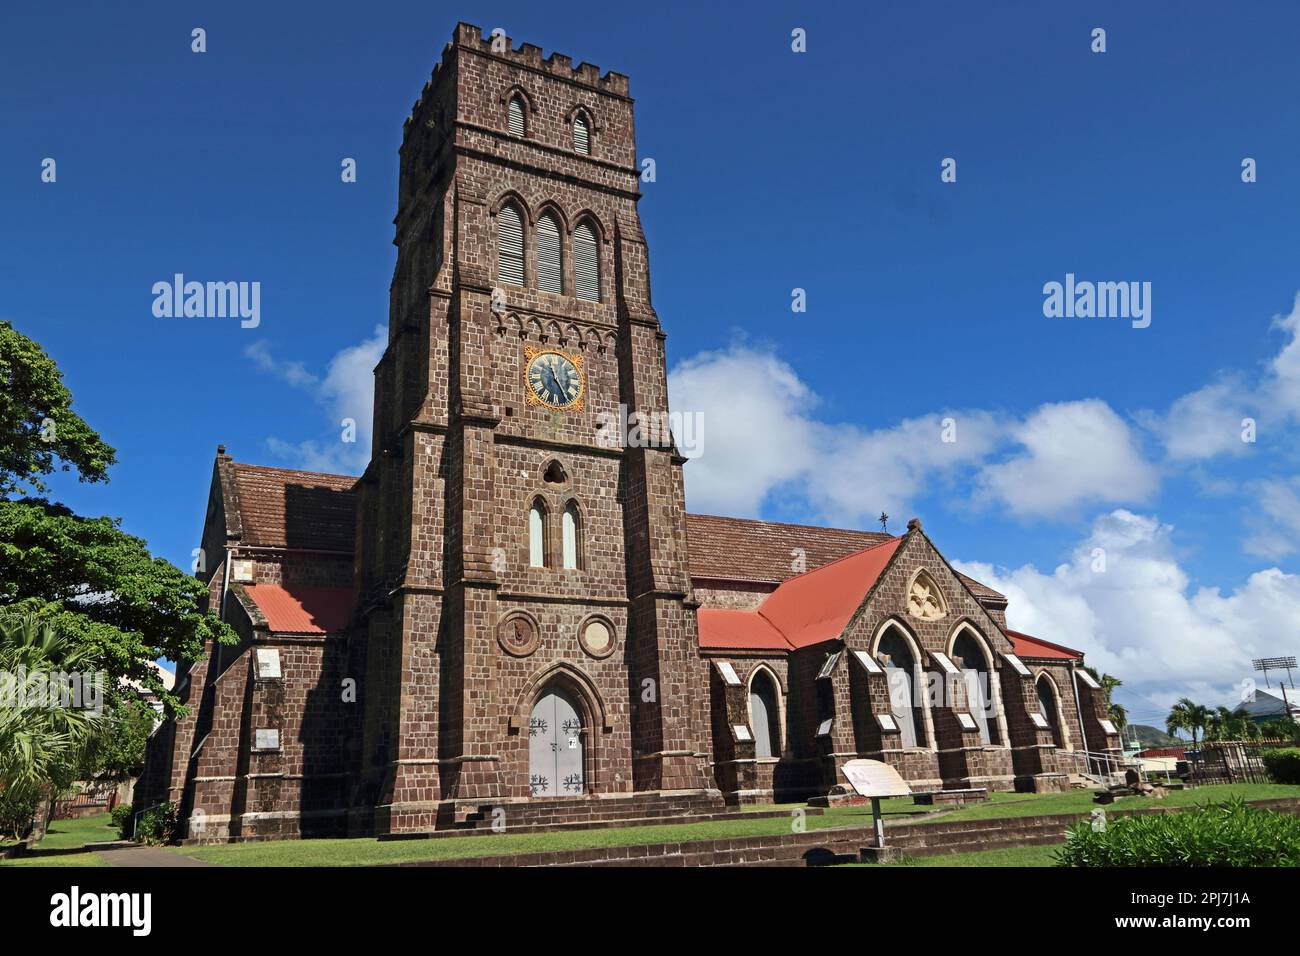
(37, 423)
(1188, 716)
(42, 741)
(102, 588)
(1224, 724)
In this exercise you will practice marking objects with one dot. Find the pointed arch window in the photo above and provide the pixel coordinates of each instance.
(537, 535)
(549, 255)
(765, 715)
(517, 122)
(510, 246)
(902, 672)
(1048, 706)
(571, 536)
(586, 264)
(981, 695)
(581, 135)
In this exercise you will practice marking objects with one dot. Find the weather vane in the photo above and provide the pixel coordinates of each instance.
(884, 521)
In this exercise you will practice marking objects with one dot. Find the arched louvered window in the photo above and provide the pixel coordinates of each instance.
(1048, 706)
(981, 694)
(586, 264)
(571, 529)
(516, 116)
(581, 135)
(765, 715)
(901, 675)
(537, 535)
(549, 274)
(510, 246)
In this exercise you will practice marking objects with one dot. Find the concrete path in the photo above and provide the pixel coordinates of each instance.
(148, 856)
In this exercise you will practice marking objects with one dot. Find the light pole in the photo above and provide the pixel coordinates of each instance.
(1278, 663)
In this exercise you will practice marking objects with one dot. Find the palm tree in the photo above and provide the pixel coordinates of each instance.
(1189, 716)
(39, 744)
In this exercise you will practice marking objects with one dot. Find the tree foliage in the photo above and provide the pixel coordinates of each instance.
(1189, 716)
(39, 431)
(101, 588)
(41, 747)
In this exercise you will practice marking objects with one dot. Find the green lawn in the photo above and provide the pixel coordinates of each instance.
(1012, 856)
(352, 852)
(63, 843)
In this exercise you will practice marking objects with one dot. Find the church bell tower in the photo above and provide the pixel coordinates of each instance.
(527, 628)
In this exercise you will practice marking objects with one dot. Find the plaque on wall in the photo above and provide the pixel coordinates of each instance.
(518, 635)
(596, 635)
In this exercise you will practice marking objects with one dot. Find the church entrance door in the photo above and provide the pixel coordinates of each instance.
(555, 747)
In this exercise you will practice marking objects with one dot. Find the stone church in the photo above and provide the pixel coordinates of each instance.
(511, 607)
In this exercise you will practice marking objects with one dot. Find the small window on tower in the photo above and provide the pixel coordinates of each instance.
(581, 135)
(571, 526)
(510, 246)
(549, 257)
(586, 263)
(517, 116)
(537, 535)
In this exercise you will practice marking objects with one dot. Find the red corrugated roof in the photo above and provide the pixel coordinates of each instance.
(1179, 752)
(738, 630)
(1028, 646)
(302, 610)
(804, 610)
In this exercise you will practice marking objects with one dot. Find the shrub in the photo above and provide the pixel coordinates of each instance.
(122, 814)
(1283, 764)
(1227, 834)
(158, 824)
(18, 807)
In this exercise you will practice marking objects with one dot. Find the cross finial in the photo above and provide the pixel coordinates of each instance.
(884, 521)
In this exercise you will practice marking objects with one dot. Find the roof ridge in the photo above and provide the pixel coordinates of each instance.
(852, 554)
(785, 524)
(240, 465)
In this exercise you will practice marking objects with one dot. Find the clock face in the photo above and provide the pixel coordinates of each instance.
(554, 380)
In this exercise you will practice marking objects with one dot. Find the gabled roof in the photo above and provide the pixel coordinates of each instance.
(741, 549)
(744, 550)
(805, 610)
(1025, 645)
(280, 507)
(298, 609)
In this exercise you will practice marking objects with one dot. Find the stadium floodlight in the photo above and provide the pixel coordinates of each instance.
(1276, 663)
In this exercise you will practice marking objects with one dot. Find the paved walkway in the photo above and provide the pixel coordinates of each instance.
(148, 856)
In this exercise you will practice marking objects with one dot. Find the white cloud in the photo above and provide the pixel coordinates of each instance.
(345, 391)
(1205, 423)
(1073, 453)
(755, 436)
(1275, 518)
(1282, 388)
(763, 440)
(1142, 620)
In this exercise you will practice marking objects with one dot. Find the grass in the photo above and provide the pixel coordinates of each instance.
(355, 852)
(1080, 801)
(63, 843)
(1011, 856)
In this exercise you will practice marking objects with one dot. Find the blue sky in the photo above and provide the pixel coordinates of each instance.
(775, 171)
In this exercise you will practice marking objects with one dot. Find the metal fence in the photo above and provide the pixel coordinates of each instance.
(1231, 761)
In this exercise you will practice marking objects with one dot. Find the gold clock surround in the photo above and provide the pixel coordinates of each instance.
(575, 358)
